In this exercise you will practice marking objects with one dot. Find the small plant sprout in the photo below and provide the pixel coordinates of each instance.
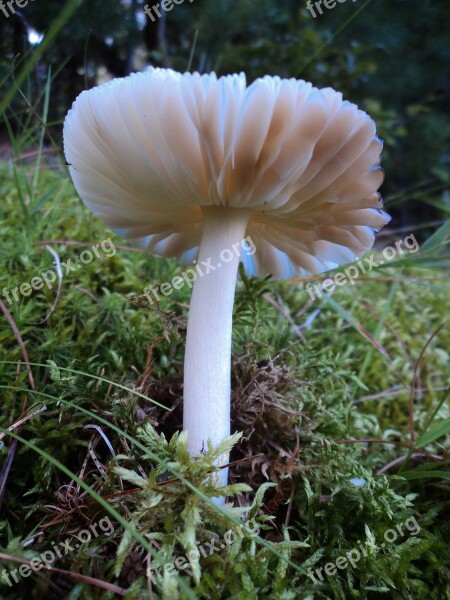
(188, 165)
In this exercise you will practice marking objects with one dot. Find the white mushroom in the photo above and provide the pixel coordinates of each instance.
(189, 165)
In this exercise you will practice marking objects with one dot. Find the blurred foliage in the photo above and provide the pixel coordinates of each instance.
(388, 57)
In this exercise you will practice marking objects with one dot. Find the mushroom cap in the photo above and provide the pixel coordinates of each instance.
(149, 150)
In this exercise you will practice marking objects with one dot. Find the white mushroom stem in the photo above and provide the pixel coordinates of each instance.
(207, 369)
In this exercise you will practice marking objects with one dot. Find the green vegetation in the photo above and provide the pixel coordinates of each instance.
(297, 397)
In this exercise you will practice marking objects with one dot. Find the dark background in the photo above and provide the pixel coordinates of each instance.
(389, 57)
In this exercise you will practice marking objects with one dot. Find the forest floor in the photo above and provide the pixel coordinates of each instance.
(338, 484)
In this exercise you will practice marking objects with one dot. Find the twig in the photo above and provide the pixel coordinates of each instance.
(289, 509)
(86, 244)
(19, 339)
(23, 420)
(90, 580)
(12, 448)
(413, 385)
(401, 459)
(87, 292)
(396, 390)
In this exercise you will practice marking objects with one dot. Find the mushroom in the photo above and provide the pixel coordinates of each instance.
(187, 165)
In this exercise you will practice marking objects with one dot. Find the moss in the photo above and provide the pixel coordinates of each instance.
(307, 380)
